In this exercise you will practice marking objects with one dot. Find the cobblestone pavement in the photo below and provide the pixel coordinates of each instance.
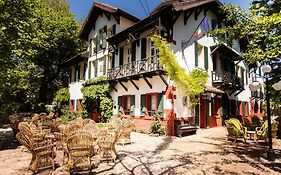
(207, 152)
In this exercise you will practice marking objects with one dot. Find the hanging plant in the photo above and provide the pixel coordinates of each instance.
(192, 84)
(97, 90)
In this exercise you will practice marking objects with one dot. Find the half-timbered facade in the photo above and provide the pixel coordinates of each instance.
(141, 87)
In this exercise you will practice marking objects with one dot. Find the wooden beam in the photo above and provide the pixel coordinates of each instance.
(147, 82)
(163, 79)
(197, 12)
(134, 84)
(126, 89)
(175, 17)
(107, 15)
(114, 88)
(117, 18)
(186, 16)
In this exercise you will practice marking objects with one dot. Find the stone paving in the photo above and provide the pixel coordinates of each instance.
(207, 152)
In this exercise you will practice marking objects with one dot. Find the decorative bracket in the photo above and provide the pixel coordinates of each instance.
(187, 16)
(147, 82)
(126, 89)
(134, 84)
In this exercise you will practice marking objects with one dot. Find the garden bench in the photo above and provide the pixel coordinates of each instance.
(184, 126)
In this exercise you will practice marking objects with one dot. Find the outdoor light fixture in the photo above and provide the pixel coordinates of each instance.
(277, 86)
(255, 86)
(266, 68)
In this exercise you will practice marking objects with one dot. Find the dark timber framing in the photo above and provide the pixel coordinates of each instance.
(134, 84)
(187, 15)
(126, 89)
(147, 82)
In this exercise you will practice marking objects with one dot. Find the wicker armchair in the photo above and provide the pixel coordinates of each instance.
(126, 136)
(106, 142)
(14, 122)
(79, 149)
(43, 153)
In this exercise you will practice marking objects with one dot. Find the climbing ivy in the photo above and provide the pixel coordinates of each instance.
(97, 90)
(192, 84)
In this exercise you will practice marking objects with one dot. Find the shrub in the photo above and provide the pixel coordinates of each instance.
(156, 128)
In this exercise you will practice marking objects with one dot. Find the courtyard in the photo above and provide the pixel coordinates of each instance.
(207, 152)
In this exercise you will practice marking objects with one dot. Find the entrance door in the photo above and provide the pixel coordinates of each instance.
(95, 111)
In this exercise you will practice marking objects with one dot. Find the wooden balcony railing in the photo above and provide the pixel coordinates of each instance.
(135, 68)
(226, 78)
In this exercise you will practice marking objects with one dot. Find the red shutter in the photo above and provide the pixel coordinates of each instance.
(148, 104)
(70, 105)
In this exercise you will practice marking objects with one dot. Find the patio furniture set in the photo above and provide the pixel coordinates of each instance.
(236, 130)
(81, 140)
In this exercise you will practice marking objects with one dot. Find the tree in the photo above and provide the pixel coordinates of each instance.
(36, 38)
(261, 27)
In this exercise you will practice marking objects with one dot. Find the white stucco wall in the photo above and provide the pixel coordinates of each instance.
(157, 87)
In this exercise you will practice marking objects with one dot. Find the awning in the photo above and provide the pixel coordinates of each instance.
(225, 50)
(212, 89)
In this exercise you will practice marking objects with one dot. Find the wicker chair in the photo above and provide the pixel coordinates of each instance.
(106, 142)
(43, 153)
(14, 122)
(126, 136)
(79, 149)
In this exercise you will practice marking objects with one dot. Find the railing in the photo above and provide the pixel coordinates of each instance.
(226, 78)
(135, 68)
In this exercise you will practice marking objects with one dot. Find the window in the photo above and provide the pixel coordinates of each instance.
(151, 103)
(84, 71)
(143, 48)
(121, 56)
(72, 103)
(127, 102)
(112, 30)
(101, 38)
(201, 56)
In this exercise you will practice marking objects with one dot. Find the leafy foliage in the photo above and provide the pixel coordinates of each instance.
(36, 37)
(262, 29)
(156, 128)
(62, 98)
(97, 90)
(192, 84)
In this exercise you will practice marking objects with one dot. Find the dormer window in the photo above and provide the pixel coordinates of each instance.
(101, 38)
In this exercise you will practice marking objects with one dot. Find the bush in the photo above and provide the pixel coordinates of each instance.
(156, 128)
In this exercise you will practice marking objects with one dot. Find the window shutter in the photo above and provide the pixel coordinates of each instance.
(143, 104)
(119, 102)
(104, 36)
(96, 68)
(243, 107)
(91, 47)
(196, 53)
(214, 23)
(132, 108)
(113, 60)
(70, 75)
(206, 55)
(161, 104)
(90, 67)
(84, 71)
(133, 51)
(113, 29)
(143, 48)
(98, 42)
(247, 76)
(75, 74)
(121, 56)
(104, 65)
(242, 74)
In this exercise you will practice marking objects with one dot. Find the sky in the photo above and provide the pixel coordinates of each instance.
(81, 8)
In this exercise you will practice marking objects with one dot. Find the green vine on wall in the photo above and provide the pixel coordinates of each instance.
(192, 84)
(97, 90)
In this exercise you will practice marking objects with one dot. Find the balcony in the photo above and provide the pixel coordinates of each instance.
(146, 67)
(227, 81)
